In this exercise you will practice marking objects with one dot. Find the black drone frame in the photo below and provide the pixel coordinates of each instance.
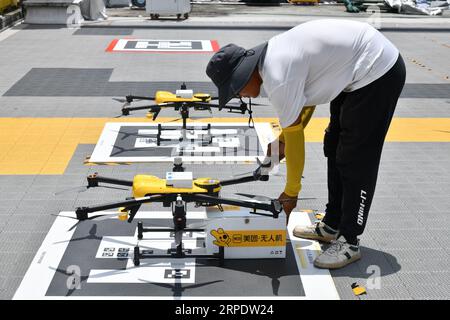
(179, 202)
(183, 107)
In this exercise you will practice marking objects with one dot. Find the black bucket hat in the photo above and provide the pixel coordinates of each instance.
(231, 68)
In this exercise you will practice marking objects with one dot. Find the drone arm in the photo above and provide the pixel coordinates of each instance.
(140, 108)
(256, 176)
(130, 98)
(274, 206)
(232, 109)
(94, 179)
(82, 212)
(238, 180)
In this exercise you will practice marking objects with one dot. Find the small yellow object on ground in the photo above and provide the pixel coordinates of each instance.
(358, 290)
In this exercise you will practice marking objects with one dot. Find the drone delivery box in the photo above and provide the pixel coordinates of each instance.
(245, 235)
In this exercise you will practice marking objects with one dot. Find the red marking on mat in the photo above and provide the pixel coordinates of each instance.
(215, 45)
(137, 51)
(112, 45)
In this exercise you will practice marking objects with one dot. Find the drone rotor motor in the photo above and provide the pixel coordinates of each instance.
(123, 214)
(204, 97)
(211, 185)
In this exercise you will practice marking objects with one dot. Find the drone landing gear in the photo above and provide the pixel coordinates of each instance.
(179, 219)
(176, 253)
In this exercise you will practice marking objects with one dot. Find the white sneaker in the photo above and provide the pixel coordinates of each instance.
(319, 231)
(338, 255)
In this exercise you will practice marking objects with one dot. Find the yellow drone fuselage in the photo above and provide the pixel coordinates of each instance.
(168, 97)
(145, 185)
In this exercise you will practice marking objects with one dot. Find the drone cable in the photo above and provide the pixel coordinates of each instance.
(251, 123)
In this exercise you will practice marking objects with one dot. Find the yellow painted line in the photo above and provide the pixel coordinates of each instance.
(301, 256)
(46, 145)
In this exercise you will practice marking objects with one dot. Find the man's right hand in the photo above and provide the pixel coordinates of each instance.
(280, 149)
(289, 203)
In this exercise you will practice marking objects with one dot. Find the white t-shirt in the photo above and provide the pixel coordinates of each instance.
(315, 61)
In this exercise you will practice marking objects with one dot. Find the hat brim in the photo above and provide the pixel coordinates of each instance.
(241, 76)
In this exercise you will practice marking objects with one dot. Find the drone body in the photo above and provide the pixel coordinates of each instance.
(182, 100)
(269, 235)
(145, 185)
(181, 96)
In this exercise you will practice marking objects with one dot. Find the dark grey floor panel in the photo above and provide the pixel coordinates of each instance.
(54, 82)
(74, 82)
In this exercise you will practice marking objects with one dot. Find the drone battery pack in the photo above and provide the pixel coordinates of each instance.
(179, 179)
(185, 94)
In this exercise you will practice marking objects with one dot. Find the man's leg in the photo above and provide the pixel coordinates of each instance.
(326, 230)
(365, 118)
(330, 142)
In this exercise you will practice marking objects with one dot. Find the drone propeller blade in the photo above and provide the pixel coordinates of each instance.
(284, 200)
(173, 120)
(85, 188)
(259, 104)
(264, 198)
(115, 188)
(134, 99)
(79, 221)
(242, 174)
(90, 218)
(255, 197)
(271, 173)
(120, 100)
(258, 161)
(64, 216)
(238, 104)
(75, 225)
(78, 189)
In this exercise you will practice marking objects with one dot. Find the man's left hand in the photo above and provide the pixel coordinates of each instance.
(288, 203)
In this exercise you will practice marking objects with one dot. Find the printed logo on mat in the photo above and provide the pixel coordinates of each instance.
(149, 45)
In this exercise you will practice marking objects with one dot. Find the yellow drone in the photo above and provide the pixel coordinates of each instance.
(182, 100)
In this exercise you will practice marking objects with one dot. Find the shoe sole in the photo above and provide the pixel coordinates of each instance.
(339, 265)
(312, 237)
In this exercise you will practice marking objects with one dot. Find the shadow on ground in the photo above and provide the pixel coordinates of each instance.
(371, 258)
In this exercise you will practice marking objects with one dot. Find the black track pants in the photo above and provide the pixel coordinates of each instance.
(353, 143)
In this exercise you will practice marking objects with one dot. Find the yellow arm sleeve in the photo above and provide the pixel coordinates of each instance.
(305, 116)
(294, 150)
